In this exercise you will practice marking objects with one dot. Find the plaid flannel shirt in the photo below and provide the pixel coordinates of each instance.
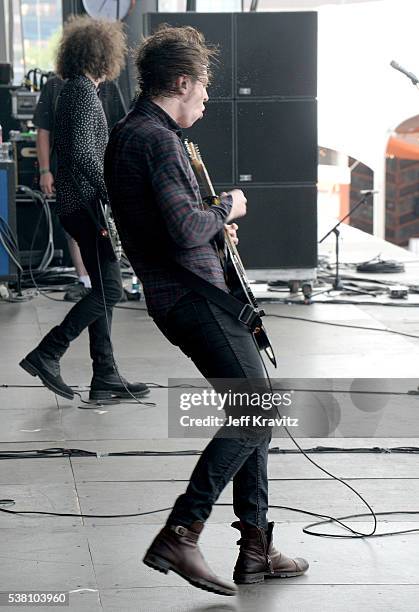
(157, 206)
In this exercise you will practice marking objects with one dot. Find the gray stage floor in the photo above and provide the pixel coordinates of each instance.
(99, 560)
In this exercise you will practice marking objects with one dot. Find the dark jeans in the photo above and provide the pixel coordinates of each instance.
(221, 347)
(90, 310)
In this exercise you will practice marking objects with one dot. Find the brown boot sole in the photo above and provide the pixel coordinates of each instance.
(285, 575)
(164, 566)
(261, 577)
(249, 578)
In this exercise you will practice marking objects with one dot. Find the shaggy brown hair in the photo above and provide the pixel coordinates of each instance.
(168, 54)
(91, 46)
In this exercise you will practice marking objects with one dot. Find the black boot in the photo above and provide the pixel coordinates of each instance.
(44, 361)
(111, 385)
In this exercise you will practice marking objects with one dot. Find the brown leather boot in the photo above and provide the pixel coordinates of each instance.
(176, 548)
(258, 558)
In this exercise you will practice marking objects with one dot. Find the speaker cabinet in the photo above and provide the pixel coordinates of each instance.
(260, 128)
(276, 141)
(280, 228)
(276, 54)
(214, 135)
(218, 30)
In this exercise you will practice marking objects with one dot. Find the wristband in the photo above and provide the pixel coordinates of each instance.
(44, 171)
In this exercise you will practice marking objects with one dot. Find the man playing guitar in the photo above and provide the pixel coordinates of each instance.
(163, 224)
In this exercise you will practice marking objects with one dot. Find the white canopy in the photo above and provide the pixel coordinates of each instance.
(361, 98)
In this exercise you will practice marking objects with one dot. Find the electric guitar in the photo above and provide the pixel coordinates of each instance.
(108, 229)
(103, 220)
(236, 276)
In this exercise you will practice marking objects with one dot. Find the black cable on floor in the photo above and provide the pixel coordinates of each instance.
(387, 331)
(154, 385)
(307, 529)
(61, 452)
(361, 327)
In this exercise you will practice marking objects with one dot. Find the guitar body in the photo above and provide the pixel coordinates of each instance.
(235, 274)
(109, 232)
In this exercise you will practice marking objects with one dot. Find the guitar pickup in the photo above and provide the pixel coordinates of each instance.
(212, 200)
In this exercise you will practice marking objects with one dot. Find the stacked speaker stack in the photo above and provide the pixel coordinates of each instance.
(259, 132)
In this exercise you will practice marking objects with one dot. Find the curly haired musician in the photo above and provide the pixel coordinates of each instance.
(89, 52)
(160, 217)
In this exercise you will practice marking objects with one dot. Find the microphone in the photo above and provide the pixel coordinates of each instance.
(410, 75)
(365, 191)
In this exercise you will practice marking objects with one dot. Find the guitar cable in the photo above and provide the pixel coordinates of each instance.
(355, 534)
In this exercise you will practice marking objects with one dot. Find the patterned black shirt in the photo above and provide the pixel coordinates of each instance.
(157, 205)
(81, 134)
(44, 116)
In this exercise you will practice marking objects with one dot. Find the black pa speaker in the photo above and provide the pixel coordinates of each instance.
(259, 131)
(276, 55)
(276, 141)
(214, 136)
(280, 228)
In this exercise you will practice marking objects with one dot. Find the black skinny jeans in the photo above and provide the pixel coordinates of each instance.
(221, 347)
(90, 310)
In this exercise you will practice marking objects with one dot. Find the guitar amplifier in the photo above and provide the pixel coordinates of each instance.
(8, 270)
(32, 248)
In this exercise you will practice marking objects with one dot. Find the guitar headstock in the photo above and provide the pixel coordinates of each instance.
(194, 155)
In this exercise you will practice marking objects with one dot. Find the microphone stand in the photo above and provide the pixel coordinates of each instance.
(337, 284)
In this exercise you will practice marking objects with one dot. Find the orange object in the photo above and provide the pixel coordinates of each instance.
(403, 146)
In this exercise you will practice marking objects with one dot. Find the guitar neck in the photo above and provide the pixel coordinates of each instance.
(206, 182)
(234, 253)
(207, 187)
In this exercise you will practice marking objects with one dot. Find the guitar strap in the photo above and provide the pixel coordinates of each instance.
(245, 313)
